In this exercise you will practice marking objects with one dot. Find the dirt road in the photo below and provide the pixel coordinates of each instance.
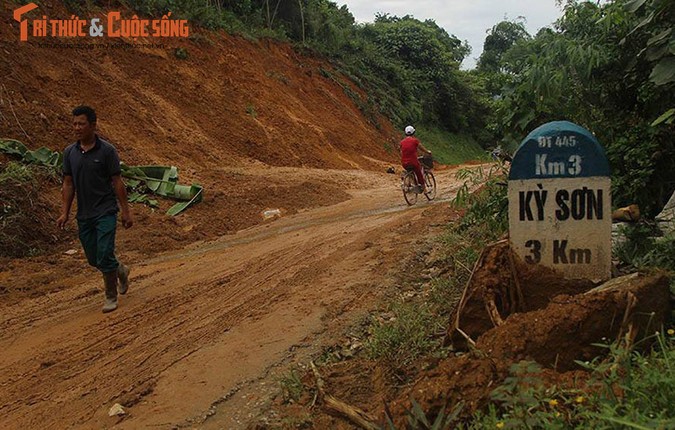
(202, 332)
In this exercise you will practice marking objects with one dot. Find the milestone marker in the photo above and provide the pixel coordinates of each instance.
(560, 202)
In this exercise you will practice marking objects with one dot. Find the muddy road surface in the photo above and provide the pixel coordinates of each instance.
(204, 332)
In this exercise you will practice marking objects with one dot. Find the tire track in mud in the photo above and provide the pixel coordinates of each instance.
(171, 348)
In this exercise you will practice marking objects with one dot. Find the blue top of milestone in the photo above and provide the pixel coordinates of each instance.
(559, 149)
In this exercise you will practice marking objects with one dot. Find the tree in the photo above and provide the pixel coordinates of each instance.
(501, 37)
(606, 67)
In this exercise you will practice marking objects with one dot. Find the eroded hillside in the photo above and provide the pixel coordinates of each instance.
(250, 120)
(229, 101)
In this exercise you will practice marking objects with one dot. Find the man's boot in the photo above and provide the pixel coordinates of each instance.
(123, 276)
(110, 281)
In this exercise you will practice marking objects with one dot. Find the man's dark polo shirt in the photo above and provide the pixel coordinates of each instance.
(92, 173)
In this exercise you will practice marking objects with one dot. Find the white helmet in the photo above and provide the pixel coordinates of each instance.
(409, 130)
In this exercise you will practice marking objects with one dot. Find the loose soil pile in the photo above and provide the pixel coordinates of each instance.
(502, 285)
(539, 317)
(555, 337)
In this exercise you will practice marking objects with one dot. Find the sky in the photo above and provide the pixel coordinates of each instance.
(466, 19)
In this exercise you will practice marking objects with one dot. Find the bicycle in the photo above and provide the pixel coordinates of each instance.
(410, 186)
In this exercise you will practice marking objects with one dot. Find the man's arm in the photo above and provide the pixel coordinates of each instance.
(420, 146)
(121, 194)
(67, 196)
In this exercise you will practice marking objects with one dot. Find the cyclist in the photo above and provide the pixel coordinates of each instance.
(408, 149)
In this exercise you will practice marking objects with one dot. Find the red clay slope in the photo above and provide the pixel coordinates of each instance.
(231, 99)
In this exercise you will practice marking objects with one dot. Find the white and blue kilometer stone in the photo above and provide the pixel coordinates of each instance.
(560, 202)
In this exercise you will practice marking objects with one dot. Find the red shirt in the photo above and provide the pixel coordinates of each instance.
(409, 149)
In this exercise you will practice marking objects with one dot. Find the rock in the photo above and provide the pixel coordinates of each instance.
(71, 252)
(271, 213)
(116, 410)
(666, 219)
(618, 233)
(391, 170)
(629, 213)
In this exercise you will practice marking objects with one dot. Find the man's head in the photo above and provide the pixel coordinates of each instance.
(409, 130)
(84, 122)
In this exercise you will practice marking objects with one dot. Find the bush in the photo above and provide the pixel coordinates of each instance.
(487, 207)
(642, 250)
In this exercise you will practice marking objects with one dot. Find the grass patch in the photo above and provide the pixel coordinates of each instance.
(642, 250)
(486, 217)
(445, 293)
(17, 172)
(407, 335)
(291, 386)
(450, 148)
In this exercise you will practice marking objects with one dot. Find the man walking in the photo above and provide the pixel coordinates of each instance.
(91, 170)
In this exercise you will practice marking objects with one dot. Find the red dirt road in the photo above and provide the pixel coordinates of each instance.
(203, 330)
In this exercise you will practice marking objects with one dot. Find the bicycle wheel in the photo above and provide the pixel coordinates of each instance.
(430, 184)
(409, 186)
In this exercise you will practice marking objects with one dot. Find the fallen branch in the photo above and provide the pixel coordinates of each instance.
(466, 336)
(514, 275)
(479, 262)
(353, 414)
(491, 308)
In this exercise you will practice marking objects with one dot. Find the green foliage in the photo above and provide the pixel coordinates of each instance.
(450, 148)
(642, 250)
(634, 389)
(17, 172)
(417, 419)
(411, 69)
(445, 293)
(608, 67)
(627, 390)
(291, 386)
(499, 40)
(522, 401)
(485, 221)
(487, 208)
(408, 335)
